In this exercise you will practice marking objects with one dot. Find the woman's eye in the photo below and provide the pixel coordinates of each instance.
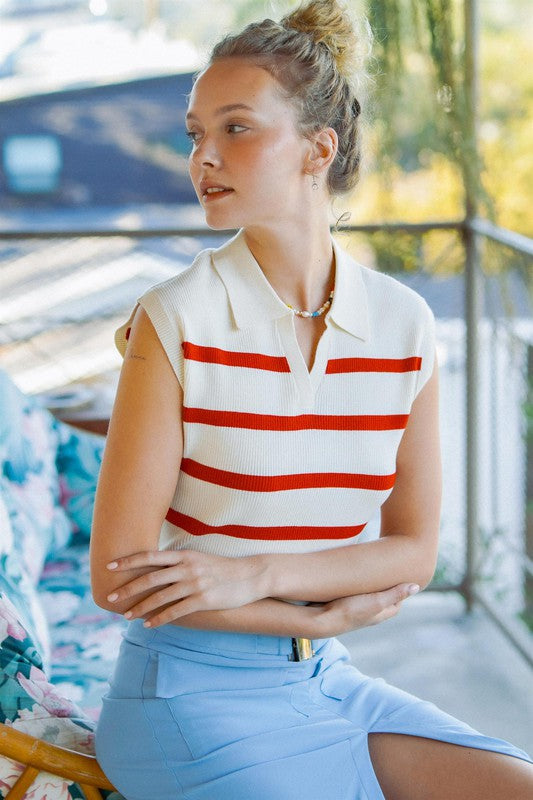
(193, 135)
(236, 128)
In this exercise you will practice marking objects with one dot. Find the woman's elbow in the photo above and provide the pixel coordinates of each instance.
(100, 598)
(425, 568)
(425, 577)
(100, 594)
(102, 586)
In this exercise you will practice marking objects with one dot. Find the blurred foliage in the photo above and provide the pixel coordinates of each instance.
(439, 252)
(422, 153)
(498, 259)
(423, 124)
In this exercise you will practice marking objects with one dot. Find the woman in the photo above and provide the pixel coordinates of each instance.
(273, 397)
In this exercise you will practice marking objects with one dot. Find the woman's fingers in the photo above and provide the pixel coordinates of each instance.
(389, 602)
(174, 583)
(363, 610)
(175, 600)
(148, 582)
(173, 612)
(395, 596)
(148, 558)
(163, 567)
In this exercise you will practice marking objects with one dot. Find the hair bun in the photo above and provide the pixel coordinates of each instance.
(329, 23)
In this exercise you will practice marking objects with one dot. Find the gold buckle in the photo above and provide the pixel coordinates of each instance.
(302, 649)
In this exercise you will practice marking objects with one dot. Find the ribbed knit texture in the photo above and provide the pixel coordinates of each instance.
(276, 459)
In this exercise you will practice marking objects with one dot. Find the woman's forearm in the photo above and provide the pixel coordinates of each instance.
(269, 617)
(356, 569)
(277, 618)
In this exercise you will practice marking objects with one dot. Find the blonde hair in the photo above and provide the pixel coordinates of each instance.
(317, 55)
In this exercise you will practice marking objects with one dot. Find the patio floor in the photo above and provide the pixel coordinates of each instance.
(459, 661)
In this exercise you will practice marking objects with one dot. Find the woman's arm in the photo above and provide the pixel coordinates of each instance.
(141, 459)
(406, 552)
(277, 618)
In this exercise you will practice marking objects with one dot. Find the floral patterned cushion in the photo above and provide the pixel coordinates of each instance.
(62, 710)
(78, 460)
(48, 474)
(85, 639)
(17, 585)
(56, 645)
(29, 439)
(31, 704)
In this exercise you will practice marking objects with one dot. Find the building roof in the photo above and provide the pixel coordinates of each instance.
(121, 144)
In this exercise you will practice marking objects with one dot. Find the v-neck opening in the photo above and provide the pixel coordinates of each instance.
(306, 380)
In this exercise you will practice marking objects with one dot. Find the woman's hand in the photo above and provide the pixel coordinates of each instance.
(181, 582)
(362, 610)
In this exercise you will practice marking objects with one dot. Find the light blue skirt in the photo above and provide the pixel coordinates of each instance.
(206, 715)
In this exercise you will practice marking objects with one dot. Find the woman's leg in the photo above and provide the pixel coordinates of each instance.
(413, 768)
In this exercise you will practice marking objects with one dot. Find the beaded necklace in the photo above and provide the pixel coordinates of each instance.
(317, 313)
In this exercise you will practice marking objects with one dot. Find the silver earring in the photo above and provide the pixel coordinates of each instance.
(314, 185)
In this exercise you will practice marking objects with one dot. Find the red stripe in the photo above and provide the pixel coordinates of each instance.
(338, 365)
(271, 422)
(213, 355)
(279, 533)
(282, 483)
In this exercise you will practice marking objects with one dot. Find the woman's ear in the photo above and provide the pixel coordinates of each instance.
(324, 145)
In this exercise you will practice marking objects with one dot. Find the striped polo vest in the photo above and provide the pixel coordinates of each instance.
(277, 458)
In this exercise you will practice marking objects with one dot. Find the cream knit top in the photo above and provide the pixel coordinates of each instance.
(277, 459)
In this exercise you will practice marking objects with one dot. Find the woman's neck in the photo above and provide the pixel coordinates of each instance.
(297, 262)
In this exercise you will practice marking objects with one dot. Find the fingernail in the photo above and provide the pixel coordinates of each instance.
(413, 588)
(128, 615)
(147, 624)
(112, 597)
(112, 565)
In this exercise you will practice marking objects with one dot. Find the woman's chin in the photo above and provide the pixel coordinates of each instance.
(220, 222)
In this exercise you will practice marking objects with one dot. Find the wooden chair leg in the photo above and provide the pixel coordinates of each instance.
(40, 756)
(91, 792)
(22, 784)
(24, 781)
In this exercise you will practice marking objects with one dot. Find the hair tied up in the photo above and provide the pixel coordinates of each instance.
(329, 23)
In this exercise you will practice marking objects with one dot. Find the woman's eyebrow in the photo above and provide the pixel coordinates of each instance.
(224, 110)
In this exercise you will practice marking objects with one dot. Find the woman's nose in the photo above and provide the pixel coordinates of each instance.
(206, 153)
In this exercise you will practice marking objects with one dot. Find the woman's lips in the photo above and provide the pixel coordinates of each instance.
(215, 193)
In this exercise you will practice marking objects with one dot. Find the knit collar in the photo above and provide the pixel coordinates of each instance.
(252, 297)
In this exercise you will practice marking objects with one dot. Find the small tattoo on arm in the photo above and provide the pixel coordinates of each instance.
(136, 355)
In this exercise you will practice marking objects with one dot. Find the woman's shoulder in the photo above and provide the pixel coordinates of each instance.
(167, 301)
(380, 296)
(191, 280)
(394, 306)
(385, 289)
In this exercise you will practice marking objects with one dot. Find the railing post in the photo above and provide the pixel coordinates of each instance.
(473, 315)
(529, 493)
(473, 299)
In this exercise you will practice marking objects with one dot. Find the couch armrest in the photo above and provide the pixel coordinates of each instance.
(40, 756)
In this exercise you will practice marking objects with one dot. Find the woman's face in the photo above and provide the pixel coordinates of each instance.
(248, 160)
